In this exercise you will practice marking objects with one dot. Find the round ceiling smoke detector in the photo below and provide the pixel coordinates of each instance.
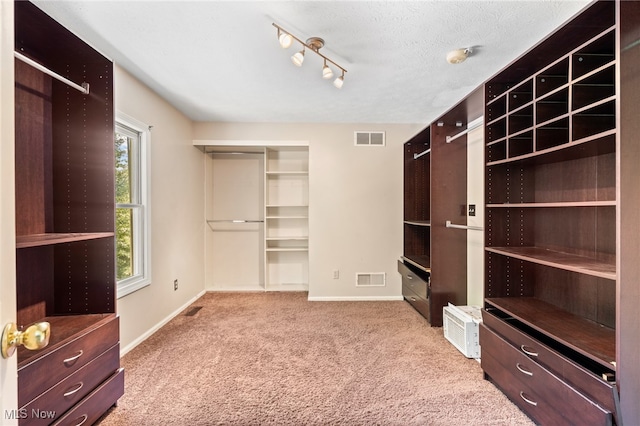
(457, 56)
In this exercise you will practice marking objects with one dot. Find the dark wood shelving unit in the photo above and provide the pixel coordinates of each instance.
(434, 261)
(415, 264)
(65, 241)
(552, 235)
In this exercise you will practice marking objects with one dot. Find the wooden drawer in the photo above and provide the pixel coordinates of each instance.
(91, 408)
(65, 394)
(541, 387)
(420, 304)
(412, 281)
(587, 382)
(48, 370)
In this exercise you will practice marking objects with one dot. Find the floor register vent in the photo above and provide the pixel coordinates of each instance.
(369, 138)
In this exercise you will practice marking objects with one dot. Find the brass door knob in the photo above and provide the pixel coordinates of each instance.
(35, 337)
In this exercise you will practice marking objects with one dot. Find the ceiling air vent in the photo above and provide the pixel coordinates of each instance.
(368, 138)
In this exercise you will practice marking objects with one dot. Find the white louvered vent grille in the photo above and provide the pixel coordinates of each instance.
(369, 138)
(370, 279)
(460, 326)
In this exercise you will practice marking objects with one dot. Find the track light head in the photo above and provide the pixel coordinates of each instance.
(326, 71)
(285, 39)
(338, 82)
(298, 58)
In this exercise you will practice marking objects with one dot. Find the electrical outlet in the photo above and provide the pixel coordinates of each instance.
(175, 285)
(336, 274)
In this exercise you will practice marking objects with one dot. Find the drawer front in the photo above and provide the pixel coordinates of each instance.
(420, 304)
(45, 372)
(528, 400)
(549, 389)
(588, 383)
(90, 409)
(53, 403)
(412, 281)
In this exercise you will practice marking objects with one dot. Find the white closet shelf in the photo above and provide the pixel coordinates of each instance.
(275, 249)
(287, 217)
(297, 238)
(288, 173)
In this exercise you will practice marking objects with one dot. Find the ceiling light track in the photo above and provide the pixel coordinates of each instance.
(313, 44)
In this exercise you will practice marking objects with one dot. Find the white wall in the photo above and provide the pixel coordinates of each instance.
(475, 195)
(355, 201)
(177, 213)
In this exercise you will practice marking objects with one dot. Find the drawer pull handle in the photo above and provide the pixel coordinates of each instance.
(409, 276)
(527, 400)
(413, 299)
(82, 419)
(528, 351)
(523, 370)
(73, 358)
(78, 386)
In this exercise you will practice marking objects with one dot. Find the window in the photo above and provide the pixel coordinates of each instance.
(132, 205)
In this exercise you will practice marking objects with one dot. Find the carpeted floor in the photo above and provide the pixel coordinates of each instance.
(277, 359)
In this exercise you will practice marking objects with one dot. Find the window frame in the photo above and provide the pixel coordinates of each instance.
(141, 210)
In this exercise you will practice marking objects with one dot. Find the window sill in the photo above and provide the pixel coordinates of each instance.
(130, 285)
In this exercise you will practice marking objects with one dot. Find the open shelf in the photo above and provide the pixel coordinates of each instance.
(36, 240)
(585, 337)
(418, 222)
(560, 260)
(558, 204)
(421, 262)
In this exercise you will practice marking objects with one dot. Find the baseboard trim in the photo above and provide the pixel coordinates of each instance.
(159, 325)
(355, 298)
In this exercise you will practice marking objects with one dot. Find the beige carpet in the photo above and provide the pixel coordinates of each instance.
(277, 359)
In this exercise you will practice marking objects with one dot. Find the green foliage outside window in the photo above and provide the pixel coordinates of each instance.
(124, 216)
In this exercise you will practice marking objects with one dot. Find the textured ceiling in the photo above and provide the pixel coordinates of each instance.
(221, 61)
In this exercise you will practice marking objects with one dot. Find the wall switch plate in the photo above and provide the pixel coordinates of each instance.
(175, 285)
(336, 274)
(472, 209)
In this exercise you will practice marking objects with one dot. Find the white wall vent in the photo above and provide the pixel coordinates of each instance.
(370, 279)
(369, 138)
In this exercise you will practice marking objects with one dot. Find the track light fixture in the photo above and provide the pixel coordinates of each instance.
(285, 38)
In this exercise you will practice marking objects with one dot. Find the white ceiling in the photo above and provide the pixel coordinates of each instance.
(221, 61)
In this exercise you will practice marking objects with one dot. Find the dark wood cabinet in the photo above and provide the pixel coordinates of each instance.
(552, 285)
(415, 265)
(64, 154)
(434, 262)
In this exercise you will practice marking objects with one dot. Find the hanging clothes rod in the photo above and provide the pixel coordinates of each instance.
(425, 152)
(473, 125)
(84, 88)
(448, 224)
